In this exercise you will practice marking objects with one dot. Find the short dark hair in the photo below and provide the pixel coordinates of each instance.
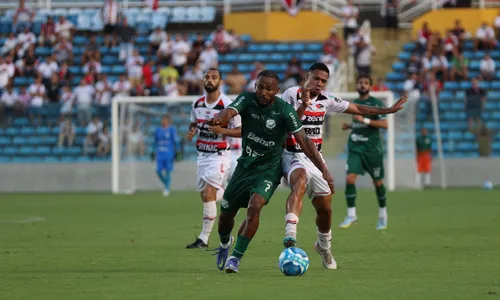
(320, 67)
(364, 76)
(216, 70)
(269, 74)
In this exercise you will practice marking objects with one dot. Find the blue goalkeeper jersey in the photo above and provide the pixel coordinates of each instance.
(166, 142)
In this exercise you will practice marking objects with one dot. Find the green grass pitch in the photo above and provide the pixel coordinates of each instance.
(439, 245)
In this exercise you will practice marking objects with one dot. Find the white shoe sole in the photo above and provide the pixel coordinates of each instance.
(328, 267)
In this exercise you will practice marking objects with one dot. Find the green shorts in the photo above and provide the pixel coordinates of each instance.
(244, 182)
(372, 163)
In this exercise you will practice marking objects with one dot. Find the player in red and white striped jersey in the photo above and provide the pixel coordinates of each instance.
(236, 144)
(312, 104)
(214, 150)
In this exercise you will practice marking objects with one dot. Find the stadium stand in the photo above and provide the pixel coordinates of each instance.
(36, 139)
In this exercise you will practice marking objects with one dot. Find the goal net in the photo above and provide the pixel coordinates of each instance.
(134, 120)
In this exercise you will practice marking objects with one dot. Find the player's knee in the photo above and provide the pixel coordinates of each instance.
(378, 183)
(209, 193)
(323, 206)
(254, 207)
(351, 179)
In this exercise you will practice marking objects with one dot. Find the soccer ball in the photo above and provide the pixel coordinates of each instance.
(293, 262)
(488, 185)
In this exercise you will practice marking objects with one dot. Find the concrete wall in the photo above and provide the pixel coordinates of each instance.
(97, 176)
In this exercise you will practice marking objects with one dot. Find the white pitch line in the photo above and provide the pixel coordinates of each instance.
(24, 221)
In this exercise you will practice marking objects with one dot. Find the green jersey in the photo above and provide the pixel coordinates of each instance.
(424, 143)
(263, 130)
(365, 138)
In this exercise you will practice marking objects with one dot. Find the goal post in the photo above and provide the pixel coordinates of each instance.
(123, 170)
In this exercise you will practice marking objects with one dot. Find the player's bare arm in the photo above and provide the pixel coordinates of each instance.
(311, 151)
(192, 131)
(306, 101)
(365, 110)
(233, 132)
(382, 124)
(223, 117)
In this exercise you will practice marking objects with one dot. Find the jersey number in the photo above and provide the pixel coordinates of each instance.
(268, 186)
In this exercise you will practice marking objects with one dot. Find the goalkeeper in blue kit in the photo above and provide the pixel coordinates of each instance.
(166, 147)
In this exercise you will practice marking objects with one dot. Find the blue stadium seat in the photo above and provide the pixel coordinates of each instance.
(465, 85)
(230, 58)
(42, 130)
(309, 57)
(409, 47)
(398, 66)
(282, 47)
(314, 47)
(261, 57)
(208, 15)
(404, 56)
(43, 150)
(451, 85)
(4, 141)
(494, 95)
(179, 14)
(395, 76)
(118, 69)
(246, 57)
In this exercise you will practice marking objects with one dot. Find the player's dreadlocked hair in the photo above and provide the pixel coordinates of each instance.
(320, 67)
(269, 74)
(364, 76)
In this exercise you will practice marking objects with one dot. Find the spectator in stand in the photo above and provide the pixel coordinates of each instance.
(47, 68)
(294, 70)
(91, 50)
(350, 15)
(67, 100)
(122, 87)
(7, 71)
(436, 43)
(140, 89)
(380, 86)
(67, 131)
(156, 38)
(487, 68)
(126, 35)
(431, 80)
(475, 97)
(414, 65)
(220, 39)
(23, 18)
(440, 66)
(63, 51)
(26, 38)
(363, 57)
(65, 75)
(235, 41)
(92, 65)
(196, 48)
(48, 33)
(333, 44)
(451, 45)
(24, 102)
(496, 25)
(412, 87)
(30, 64)
(93, 130)
(135, 145)
(134, 68)
(170, 88)
(53, 95)
(459, 32)
(37, 92)
(209, 58)
(64, 28)
(391, 20)
(182, 87)
(235, 81)
(110, 13)
(180, 50)
(84, 96)
(423, 37)
(9, 44)
(7, 101)
(194, 80)
(459, 68)
(104, 145)
(164, 52)
(147, 75)
(257, 68)
(485, 38)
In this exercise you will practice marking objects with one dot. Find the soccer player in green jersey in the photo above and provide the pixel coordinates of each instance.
(365, 153)
(265, 122)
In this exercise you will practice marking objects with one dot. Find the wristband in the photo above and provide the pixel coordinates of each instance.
(367, 121)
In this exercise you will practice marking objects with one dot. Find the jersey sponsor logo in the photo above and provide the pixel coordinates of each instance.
(292, 145)
(358, 138)
(255, 116)
(238, 102)
(294, 119)
(313, 120)
(224, 203)
(251, 136)
(270, 124)
(208, 135)
(312, 131)
(319, 105)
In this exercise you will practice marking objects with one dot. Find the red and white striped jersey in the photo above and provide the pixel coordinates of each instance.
(201, 112)
(314, 115)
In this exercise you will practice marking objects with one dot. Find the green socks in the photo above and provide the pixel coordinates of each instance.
(381, 197)
(241, 246)
(350, 195)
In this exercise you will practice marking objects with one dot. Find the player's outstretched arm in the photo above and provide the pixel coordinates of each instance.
(310, 151)
(365, 110)
(233, 132)
(223, 117)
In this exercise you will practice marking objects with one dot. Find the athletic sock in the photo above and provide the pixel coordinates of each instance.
(225, 239)
(167, 180)
(350, 196)
(209, 214)
(381, 197)
(325, 239)
(161, 176)
(291, 225)
(427, 179)
(241, 246)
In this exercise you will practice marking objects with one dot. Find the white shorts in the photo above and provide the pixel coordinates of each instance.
(316, 184)
(213, 173)
(235, 154)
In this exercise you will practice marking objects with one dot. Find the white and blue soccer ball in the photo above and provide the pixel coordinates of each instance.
(488, 185)
(293, 262)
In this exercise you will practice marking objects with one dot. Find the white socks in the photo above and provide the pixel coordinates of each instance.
(325, 240)
(427, 179)
(382, 212)
(209, 215)
(291, 225)
(424, 178)
(351, 212)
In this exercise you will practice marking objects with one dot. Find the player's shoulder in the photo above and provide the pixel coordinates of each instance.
(199, 102)
(225, 100)
(247, 95)
(377, 101)
(329, 97)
